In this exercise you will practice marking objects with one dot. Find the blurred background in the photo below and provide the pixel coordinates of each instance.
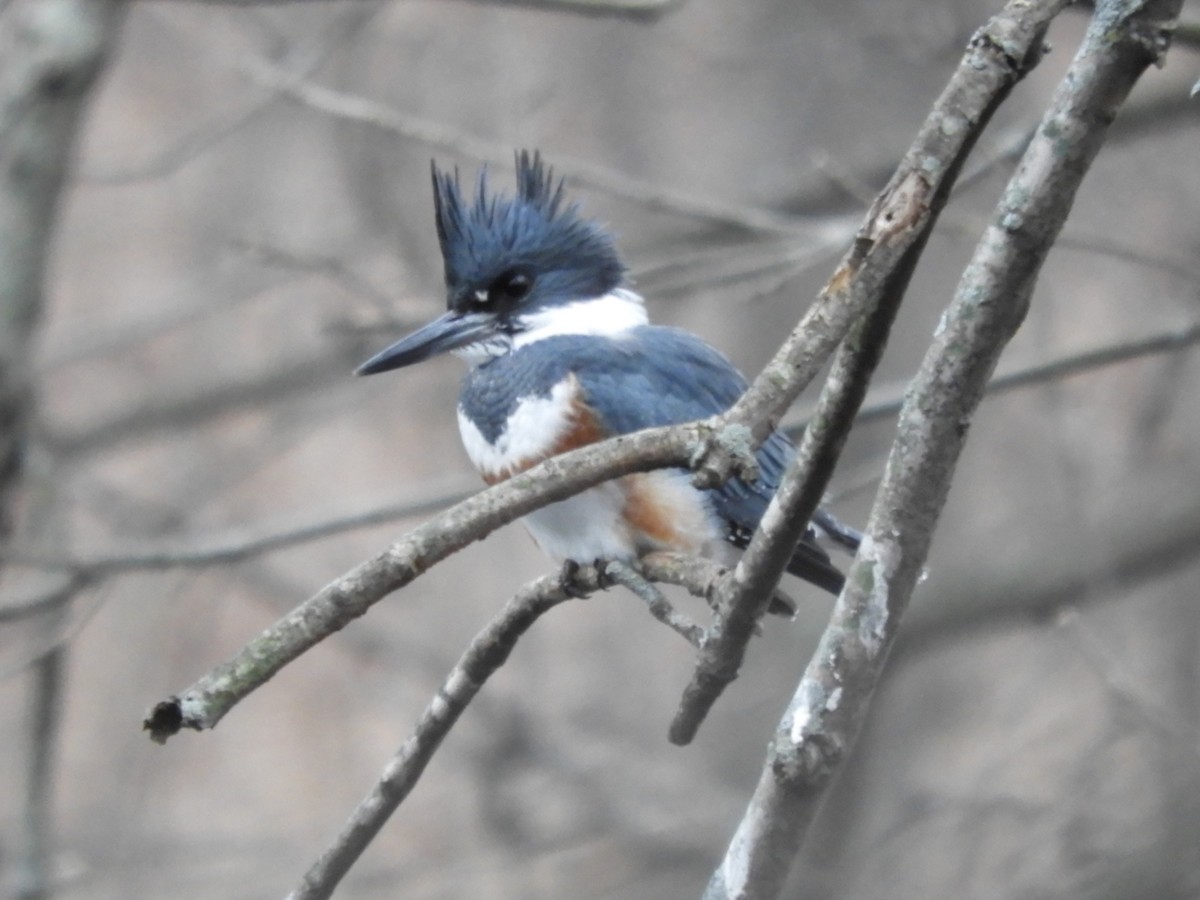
(250, 216)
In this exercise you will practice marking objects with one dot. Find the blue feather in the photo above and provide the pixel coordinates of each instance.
(534, 230)
(650, 376)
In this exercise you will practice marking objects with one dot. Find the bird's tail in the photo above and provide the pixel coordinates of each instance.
(839, 532)
(812, 564)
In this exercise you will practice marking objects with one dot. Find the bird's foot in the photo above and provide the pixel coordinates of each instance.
(603, 579)
(571, 579)
(568, 580)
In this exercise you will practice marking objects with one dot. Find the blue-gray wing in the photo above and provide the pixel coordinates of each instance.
(663, 376)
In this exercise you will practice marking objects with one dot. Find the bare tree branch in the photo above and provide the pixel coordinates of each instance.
(742, 599)
(830, 702)
(486, 653)
(207, 401)
(716, 449)
(362, 110)
(305, 57)
(658, 605)
(45, 700)
(48, 599)
(52, 52)
(888, 399)
(636, 9)
(975, 91)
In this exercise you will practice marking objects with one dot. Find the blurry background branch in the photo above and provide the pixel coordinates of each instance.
(51, 53)
(200, 551)
(352, 108)
(633, 8)
(486, 653)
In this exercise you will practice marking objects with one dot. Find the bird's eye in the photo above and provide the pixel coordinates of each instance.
(509, 287)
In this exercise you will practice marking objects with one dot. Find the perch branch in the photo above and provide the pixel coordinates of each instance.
(486, 654)
(482, 658)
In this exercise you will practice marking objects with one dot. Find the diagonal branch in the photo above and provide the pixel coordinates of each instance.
(354, 108)
(829, 705)
(482, 658)
(486, 653)
(742, 598)
(997, 58)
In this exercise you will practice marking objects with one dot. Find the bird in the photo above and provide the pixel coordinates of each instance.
(561, 354)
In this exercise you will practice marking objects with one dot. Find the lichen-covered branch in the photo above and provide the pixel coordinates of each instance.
(742, 598)
(829, 705)
(350, 596)
(879, 269)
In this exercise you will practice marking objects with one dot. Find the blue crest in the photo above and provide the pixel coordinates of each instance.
(535, 231)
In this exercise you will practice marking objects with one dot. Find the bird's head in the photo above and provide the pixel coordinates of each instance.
(517, 268)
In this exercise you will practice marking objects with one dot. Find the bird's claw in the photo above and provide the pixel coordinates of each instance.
(574, 586)
(603, 580)
(568, 580)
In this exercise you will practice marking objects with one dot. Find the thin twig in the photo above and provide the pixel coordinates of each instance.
(45, 601)
(483, 657)
(169, 414)
(888, 399)
(354, 108)
(659, 606)
(881, 402)
(239, 547)
(486, 653)
(333, 269)
(306, 56)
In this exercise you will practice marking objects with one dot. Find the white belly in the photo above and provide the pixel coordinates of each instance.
(626, 518)
(584, 528)
(618, 520)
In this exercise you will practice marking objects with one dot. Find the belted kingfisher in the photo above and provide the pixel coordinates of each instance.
(561, 354)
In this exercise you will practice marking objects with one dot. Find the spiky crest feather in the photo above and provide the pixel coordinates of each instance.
(535, 228)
